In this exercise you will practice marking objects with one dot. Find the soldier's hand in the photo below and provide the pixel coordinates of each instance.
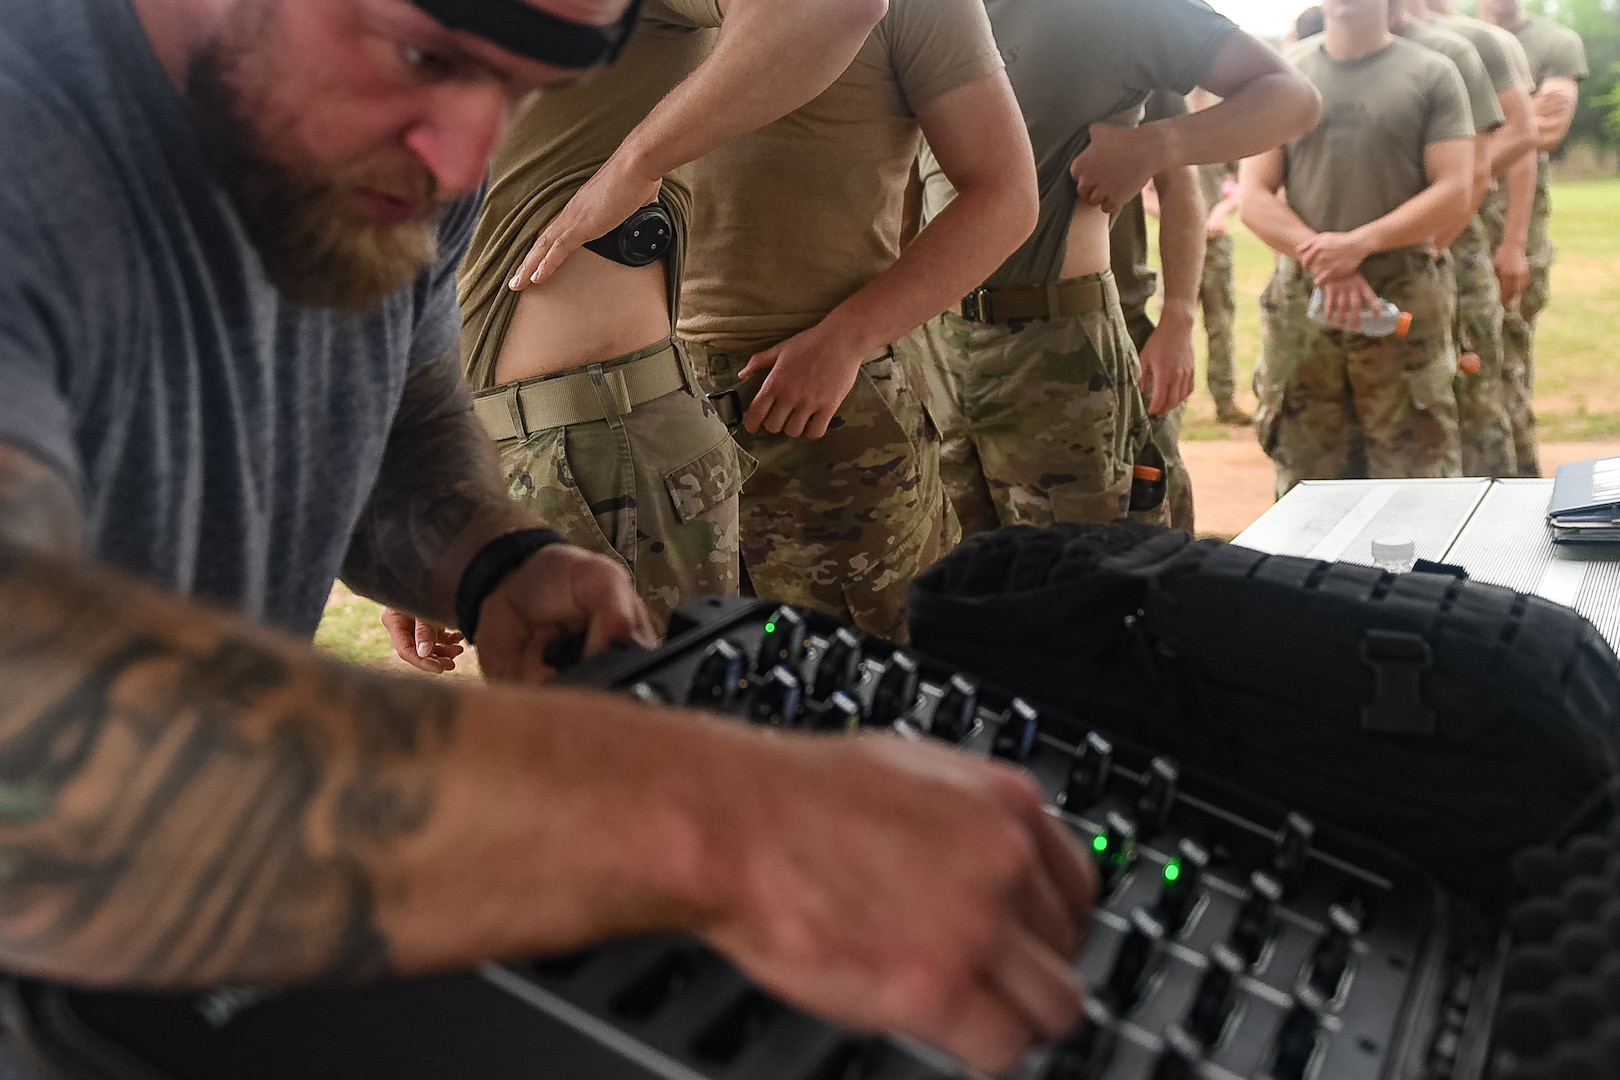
(1215, 226)
(905, 888)
(1344, 299)
(1512, 271)
(558, 591)
(808, 377)
(1331, 255)
(421, 644)
(1168, 363)
(597, 208)
(1115, 166)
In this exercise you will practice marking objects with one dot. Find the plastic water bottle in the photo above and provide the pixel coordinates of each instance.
(1397, 555)
(1387, 320)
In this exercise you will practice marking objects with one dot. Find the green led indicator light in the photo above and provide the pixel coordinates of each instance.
(770, 628)
(1172, 870)
(1099, 843)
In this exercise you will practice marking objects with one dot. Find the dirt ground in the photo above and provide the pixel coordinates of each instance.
(1233, 480)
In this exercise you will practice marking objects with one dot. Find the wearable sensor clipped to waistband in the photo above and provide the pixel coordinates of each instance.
(642, 238)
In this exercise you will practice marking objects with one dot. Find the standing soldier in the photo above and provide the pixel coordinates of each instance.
(1180, 211)
(1557, 65)
(1385, 172)
(1039, 396)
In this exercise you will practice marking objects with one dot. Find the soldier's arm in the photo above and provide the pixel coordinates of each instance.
(1517, 135)
(1448, 167)
(1262, 207)
(1554, 110)
(769, 59)
(1167, 355)
(1510, 258)
(1479, 185)
(1265, 102)
(978, 136)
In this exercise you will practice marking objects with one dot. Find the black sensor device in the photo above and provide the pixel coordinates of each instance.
(642, 238)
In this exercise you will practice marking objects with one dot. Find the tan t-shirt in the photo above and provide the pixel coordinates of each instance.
(1127, 237)
(793, 218)
(1379, 113)
(1488, 43)
(1482, 103)
(1554, 51)
(1072, 65)
(556, 145)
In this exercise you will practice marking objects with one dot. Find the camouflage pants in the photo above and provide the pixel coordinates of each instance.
(1041, 419)
(1217, 296)
(1338, 406)
(843, 523)
(1482, 419)
(1166, 432)
(655, 488)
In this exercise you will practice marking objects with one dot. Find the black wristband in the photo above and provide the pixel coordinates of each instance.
(489, 568)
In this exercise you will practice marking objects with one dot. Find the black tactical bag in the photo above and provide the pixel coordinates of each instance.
(1454, 721)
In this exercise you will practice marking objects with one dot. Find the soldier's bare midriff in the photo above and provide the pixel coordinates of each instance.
(591, 310)
(1087, 251)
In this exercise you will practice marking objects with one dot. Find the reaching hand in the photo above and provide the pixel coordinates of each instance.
(558, 591)
(421, 644)
(1114, 167)
(917, 891)
(601, 205)
(808, 379)
(1167, 368)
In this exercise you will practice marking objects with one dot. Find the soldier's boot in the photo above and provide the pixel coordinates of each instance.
(1230, 414)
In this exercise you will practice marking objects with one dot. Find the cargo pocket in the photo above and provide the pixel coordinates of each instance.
(708, 480)
(1080, 501)
(1432, 384)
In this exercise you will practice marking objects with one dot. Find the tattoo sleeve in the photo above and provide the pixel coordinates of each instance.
(439, 483)
(184, 798)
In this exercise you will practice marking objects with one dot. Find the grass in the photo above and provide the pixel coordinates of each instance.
(1578, 368)
(1578, 365)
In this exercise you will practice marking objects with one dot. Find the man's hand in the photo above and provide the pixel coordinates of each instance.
(601, 205)
(1330, 255)
(1215, 226)
(421, 644)
(1167, 365)
(1512, 271)
(809, 376)
(919, 891)
(1115, 165)
(1344, 299)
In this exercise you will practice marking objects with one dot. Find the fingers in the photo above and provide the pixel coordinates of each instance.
(418, 643)
(987, 1031)
(1037, 984)
(531, 263)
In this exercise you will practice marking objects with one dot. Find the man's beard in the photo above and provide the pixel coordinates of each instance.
(302, 223)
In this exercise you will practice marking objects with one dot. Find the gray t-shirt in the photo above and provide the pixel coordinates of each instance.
(1073, 65)
(223, 440)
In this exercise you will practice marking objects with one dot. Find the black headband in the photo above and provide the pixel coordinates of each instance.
(527, 31)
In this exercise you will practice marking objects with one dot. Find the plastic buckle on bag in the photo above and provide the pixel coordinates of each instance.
(729, 404)
(976, 306)
(1398, 659)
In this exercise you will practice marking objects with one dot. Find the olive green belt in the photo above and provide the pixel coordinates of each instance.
(519, 409)
(1074, 296)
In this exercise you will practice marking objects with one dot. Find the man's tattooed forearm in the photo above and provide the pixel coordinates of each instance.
(181, 803)
(438, 474)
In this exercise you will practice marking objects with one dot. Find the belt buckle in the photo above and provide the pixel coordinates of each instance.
(729, 404)
(976, 305)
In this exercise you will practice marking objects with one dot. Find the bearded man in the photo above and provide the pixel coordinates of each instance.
(228, 340)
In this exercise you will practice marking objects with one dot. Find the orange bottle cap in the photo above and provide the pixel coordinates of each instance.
(1147, 472)
(1468, 363)
(1403, 324)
